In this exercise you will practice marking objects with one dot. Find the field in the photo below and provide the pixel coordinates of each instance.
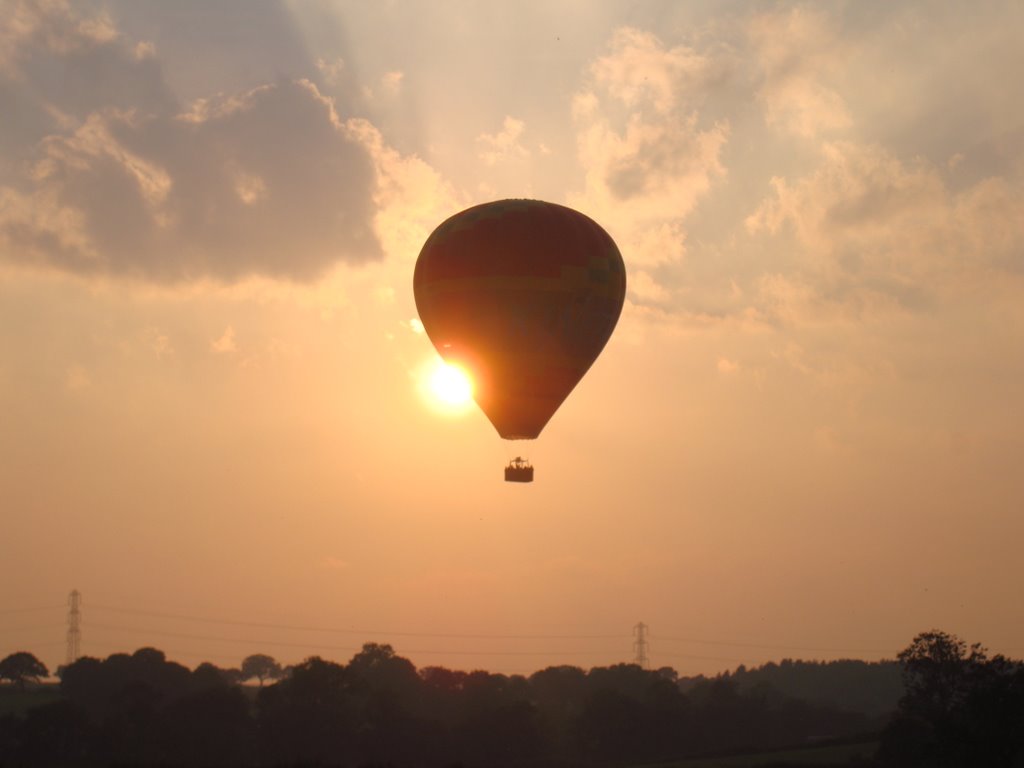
(14, 701)
(817, 757)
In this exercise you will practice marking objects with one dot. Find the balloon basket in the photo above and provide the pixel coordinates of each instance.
(519, 470)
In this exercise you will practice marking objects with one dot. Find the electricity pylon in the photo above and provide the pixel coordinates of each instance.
(74, 626)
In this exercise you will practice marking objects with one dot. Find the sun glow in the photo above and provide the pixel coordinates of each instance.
(448, 386)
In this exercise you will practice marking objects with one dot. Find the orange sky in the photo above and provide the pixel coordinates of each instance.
(803, 439)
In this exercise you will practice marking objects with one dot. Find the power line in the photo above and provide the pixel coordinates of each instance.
(34, 628)
(474, 636)
(700, 658)
(772, 647)
(213, 638)
(344, 648)
(5, 611)
(45, 643)
(347, 630)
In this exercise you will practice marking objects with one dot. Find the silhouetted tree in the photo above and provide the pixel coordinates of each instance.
(101, 686)
(560, 694)
(938, 672)
(311, 717)
(261, 667)
(630, 680)
(669, 717)
(378, 668)
(210, 727)
(508, 733)
(208, 675)
(56, 734)
(872, 688)
(612, 727)
(395, 725)
(668, 673)
(20, 667)
(961, 708)
(141, 709)
(442, 691)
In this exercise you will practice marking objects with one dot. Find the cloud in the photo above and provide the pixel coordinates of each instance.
(77, 378)
(226, 342)
(738, 172)
(98, 68)
(647, 154)
(870, 228)
(332, 71)
(641, 72)
(410, 196)
(727, 366)
(114, 177)
(158, 342)
(796, 49)
(391, 82)
(645, 288)
(504, 145)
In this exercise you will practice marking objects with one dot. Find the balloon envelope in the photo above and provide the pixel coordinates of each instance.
(524, 295)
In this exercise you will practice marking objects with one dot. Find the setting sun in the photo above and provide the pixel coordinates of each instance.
(449, 385)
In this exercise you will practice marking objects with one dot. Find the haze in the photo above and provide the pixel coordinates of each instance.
(803, 440)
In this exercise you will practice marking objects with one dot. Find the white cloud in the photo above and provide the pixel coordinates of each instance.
(645, 288)
(158, 342)
(391, 82)
(332, 71)
(647, 155)
(250, 188)
(145, 50)
(727, 366)
(870, 228)
(797, 48)
(226, 342)
(642, 73)
(411, 197)
(503, 145)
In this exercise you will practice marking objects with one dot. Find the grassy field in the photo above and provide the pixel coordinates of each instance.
(818, 757)
(15, 702)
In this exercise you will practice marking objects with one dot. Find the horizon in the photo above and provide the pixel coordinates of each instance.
(329, 651)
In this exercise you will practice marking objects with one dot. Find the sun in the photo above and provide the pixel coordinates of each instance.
(448, 386)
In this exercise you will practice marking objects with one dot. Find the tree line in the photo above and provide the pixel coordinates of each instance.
(959, 707)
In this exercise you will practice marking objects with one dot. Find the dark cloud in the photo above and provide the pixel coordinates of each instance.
(75, 64)
(217, 46)
(107, 173)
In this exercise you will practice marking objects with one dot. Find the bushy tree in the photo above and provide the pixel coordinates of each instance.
(311, 717)
(260, 666)
(961, 707)
(20, 667)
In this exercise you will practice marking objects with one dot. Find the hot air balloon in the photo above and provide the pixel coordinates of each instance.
(523, 295)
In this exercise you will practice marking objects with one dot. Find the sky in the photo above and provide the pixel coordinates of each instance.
(803, 440)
